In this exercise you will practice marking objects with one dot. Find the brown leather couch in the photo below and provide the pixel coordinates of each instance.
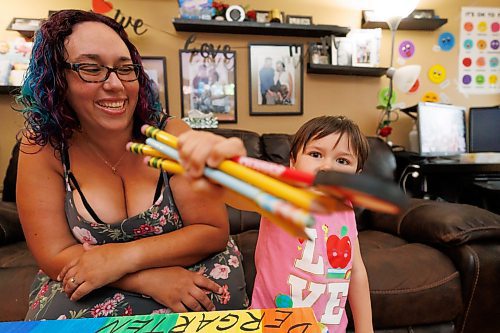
(432, 269)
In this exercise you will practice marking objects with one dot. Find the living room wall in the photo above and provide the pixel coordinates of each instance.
(354, 96)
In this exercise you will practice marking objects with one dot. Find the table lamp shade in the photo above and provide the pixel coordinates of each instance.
(405, 77)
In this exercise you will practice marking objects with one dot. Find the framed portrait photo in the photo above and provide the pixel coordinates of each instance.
(156, 69)
(276, 78)
(262, 16)
(365, 46)
(297, 19)
(209, 84)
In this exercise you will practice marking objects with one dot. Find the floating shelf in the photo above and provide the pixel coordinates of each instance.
(346, 70)
(25, 26)
(257, 28)
(408, 24)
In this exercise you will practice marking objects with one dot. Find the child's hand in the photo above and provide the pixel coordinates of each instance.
(197, 148)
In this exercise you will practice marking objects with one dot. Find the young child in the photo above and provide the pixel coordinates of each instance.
(322, 272)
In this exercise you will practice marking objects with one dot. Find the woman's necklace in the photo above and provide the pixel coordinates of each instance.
(113, 167)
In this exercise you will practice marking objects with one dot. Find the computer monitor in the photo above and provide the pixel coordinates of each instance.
(441, 129)
(484, 129)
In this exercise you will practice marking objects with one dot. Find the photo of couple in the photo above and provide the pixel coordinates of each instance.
(275, 82)
(276, 79)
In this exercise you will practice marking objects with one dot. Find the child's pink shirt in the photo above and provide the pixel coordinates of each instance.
(292, 272)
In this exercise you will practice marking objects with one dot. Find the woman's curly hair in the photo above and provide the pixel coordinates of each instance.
(43, 98)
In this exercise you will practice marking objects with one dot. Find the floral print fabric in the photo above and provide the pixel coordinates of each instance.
(48, 301)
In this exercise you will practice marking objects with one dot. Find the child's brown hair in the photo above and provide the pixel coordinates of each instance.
(320, 127)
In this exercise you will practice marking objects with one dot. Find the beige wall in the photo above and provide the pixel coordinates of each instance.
(353, 96)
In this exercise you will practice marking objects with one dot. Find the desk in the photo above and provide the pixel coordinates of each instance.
(451, 180)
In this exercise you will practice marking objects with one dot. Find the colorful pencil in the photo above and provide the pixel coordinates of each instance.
(292, 176)
(142, 149)
(264, 200)
(291, 218)
(304, 199)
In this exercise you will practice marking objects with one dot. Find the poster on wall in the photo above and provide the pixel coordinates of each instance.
(479, 53)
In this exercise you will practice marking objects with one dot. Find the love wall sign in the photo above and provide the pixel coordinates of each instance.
(298, 320)
(103, 7)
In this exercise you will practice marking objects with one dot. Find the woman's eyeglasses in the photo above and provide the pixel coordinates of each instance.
(94, 73)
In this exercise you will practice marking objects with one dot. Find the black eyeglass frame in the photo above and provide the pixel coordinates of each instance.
(76, 68)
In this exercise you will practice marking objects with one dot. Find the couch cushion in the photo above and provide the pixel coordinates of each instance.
(240, 220)
(10, 227)
(250, 139)
(17, 272)
(15, 288)
(381, 162)
(276, 148)
(16, 255)
(410, 283)
(434, 222)
(246, 242)
(9, 182)
(439, 223)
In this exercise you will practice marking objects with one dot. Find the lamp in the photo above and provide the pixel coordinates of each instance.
(404, 78)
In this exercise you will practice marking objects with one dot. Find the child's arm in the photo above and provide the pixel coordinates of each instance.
(359, 294)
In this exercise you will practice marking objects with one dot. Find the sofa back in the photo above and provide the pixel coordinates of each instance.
(9, 182)
(275, 147)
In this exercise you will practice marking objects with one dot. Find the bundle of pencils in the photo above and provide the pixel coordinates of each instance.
(288, 206)
(285, 196)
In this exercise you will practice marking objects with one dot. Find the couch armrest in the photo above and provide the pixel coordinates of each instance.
(10, 227)
(443, 223)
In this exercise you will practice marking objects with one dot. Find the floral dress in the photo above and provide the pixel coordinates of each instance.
(47, 298)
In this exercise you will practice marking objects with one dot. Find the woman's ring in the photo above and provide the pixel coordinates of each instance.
(73, 280)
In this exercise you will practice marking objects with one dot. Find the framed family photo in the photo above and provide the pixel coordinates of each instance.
(365, 46)
(156, 68)
(299, 19)
(262, 16)
(209, 84)
(276, 78)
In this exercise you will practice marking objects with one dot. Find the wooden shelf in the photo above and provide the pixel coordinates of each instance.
(6, 90)
(256, 28)
(408, 24)
(346, 70)
(25, 26)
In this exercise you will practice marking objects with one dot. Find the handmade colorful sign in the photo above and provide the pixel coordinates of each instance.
(251, 321)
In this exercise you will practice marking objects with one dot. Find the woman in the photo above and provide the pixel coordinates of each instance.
(113, 237)
(282, 90)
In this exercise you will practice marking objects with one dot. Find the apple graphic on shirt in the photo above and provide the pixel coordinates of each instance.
(339, 249)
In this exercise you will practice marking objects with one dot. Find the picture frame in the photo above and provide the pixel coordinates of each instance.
(208, 84)
(365, 45)
(299, 19)
(262, 16)
(156, 68)
(276, 79)
(422, 14)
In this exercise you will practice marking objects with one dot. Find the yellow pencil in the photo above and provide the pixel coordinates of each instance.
(289, 225)
(167, 165)
(142, 149)
(299, 197)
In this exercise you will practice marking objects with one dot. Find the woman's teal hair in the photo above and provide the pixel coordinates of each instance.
(43, 98)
